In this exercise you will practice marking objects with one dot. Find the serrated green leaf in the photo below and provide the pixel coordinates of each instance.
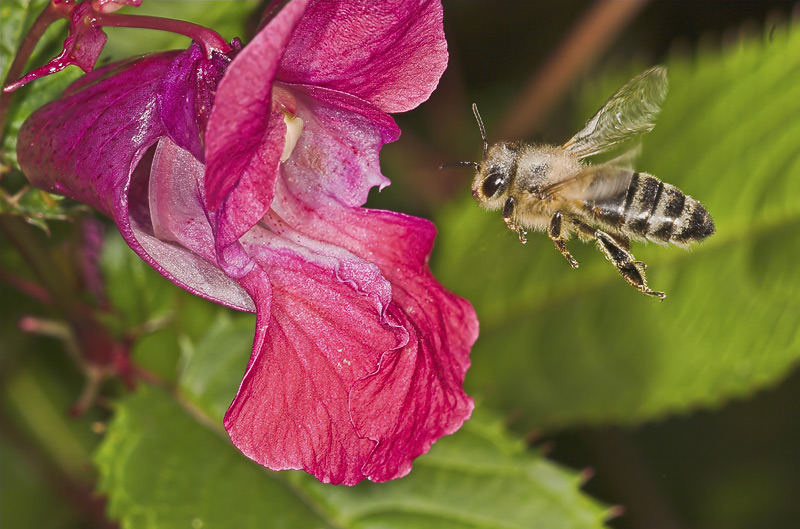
(479, 477)
(161, 468)
(565, 347)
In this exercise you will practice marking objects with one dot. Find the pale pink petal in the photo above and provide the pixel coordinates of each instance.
(175, 200)
(336, 156)
(389, 53)
(245, 134)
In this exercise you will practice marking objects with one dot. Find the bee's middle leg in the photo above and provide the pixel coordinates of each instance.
(556, 233)
(630, 269)
(508, 218)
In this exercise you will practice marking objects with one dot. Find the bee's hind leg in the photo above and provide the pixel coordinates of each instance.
(555, 231)
(630, 269)
(625, 243)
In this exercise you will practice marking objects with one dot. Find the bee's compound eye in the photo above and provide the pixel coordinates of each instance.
(492, 183)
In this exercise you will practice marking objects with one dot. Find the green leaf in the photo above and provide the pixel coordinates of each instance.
(139, 294)
(479, 477)
(160, 467)
(565, 346)
(160, 316)
(214, 365)
(37, 206)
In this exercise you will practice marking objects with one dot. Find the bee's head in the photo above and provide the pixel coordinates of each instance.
(493, 172)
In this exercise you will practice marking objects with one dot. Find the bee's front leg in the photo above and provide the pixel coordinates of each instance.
(629, 268)
(508, 218)
(555, 231)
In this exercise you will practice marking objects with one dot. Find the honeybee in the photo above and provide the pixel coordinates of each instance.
(551, 188)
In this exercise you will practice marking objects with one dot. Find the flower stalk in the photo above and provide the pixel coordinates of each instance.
(86, 19)
(49, 14)
(208, 39)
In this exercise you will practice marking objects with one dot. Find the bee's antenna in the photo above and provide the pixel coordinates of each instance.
(483, 130)
(446, 165)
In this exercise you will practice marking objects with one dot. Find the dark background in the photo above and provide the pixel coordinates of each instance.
(736, 467)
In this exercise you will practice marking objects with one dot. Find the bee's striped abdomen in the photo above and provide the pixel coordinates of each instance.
(662, 213)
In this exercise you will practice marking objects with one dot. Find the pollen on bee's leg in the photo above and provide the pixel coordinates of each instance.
(294, 128)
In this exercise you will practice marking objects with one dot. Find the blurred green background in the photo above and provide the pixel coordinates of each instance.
(684, 411)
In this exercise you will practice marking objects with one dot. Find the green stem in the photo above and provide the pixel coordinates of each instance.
(93, 341)
(49, 15)
(70, 486)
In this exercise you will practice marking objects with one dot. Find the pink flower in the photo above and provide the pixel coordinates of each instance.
(251, 197)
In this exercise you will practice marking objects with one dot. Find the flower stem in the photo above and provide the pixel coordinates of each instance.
(49, 15)
(210, 40)
(207, 38)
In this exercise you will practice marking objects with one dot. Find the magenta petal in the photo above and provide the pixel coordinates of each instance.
(177, 100)
(390, 53)
(186, 96)
(95, 145)
(86, 40)
(86, 144)
(245, 135)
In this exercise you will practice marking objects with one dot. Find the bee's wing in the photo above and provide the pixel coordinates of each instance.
(626, 159)
(631, 111)
(594, 183)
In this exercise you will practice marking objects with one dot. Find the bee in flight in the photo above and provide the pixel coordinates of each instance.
(550, 188)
